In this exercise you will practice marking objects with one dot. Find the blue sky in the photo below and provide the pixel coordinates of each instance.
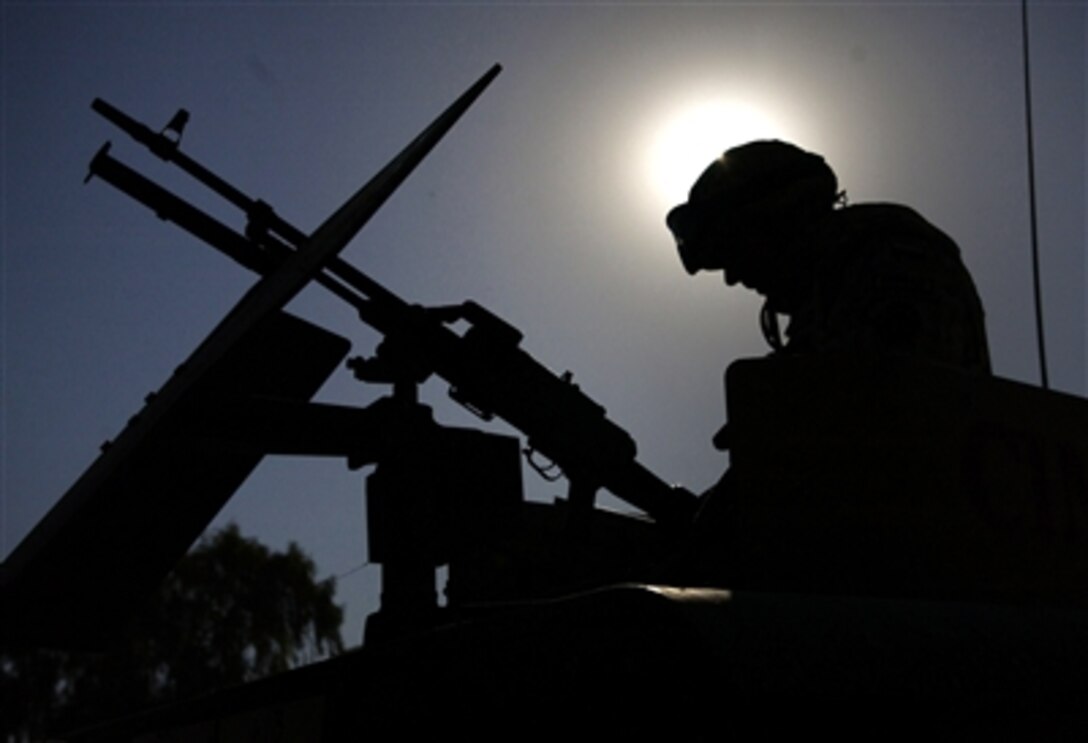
(539, 205)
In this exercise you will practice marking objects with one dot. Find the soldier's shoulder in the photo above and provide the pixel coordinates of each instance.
(884, 224)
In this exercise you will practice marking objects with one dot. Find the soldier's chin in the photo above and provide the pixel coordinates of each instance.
(748, 283)
(692, 259)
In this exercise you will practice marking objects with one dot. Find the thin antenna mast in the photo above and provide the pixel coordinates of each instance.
(1036, 281)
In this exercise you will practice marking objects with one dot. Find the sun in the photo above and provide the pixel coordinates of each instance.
(686, 141)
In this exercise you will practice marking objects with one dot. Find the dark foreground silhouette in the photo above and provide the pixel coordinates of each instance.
(900, 539)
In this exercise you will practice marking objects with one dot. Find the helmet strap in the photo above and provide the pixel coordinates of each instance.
(768, 323)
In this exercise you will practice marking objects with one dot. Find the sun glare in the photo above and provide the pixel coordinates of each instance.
(688, 140)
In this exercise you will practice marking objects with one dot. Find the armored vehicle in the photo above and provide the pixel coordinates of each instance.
(900, 547)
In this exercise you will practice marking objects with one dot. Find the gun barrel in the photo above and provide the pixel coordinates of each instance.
(172, 208)
(167, 149)
(130, 126)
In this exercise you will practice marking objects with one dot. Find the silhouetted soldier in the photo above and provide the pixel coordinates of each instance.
(867, 277)
(860, 279)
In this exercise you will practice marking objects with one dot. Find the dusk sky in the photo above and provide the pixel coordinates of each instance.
(545, 204)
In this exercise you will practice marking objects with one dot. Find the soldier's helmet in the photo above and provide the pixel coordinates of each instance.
(762, 187)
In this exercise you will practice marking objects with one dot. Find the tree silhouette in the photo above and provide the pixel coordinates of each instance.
(232, 611)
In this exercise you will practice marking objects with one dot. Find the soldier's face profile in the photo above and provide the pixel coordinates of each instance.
(737, 261)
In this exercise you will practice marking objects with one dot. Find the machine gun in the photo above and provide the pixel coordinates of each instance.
(488, 372)
(240, 396)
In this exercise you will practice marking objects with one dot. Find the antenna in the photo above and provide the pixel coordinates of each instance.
(1036, 282)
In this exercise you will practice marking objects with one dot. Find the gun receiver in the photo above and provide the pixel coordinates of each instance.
(488, 372)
